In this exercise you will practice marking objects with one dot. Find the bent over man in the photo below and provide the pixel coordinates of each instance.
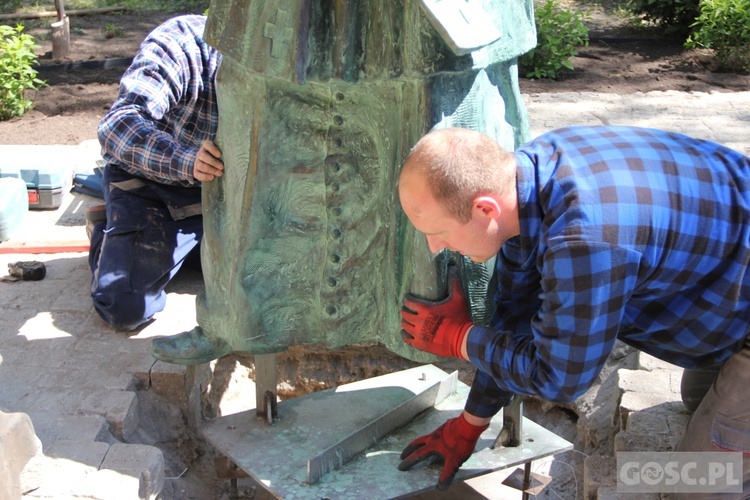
(157, 142)
(600, 233)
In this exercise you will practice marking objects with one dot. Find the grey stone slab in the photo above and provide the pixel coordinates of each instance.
(37, 399)
(112, 484)
(650, 363)
(611, 493)
(140, 461)
(52, 427)
(89, 453)
(167, 376)
(637, 441)
(598, 471)
(636, 401)
(120, 408)
(648, 423)
(79, 301)
(51, 478)
(18, 444)
(644, 381)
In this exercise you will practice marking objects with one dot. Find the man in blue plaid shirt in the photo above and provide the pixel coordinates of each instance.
(600, 233)
(157, 140)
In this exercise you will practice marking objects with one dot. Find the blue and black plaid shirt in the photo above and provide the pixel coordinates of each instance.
(166, 105)
(626, 233)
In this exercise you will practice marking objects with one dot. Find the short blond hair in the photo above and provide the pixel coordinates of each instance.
(461, 164)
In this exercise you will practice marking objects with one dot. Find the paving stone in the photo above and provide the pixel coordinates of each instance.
(647, 423)
(120, 408)
(18, 444)
(46, 477)
(657, 382)
(167, 378)
(89, 453)
(637, 441)
(652, 364)
(610, 493)
(678, 419)
(646, 390)
(51, 427)
(141, 461)
(598, 471)
(111, 484)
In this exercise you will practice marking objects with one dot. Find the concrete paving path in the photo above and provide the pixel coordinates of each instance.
(77, 378)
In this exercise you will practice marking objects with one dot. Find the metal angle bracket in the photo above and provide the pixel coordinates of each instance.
(340, 453)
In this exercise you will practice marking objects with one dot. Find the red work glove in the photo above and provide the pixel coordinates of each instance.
(438, 327)
(454, 442)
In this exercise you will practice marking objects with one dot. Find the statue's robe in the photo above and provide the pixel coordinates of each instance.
(319, 105)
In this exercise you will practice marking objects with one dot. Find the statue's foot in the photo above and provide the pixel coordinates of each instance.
(189, 348)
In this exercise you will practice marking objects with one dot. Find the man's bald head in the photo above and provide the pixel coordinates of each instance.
(459, 164)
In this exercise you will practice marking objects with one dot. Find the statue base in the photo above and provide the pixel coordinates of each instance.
(279, 457)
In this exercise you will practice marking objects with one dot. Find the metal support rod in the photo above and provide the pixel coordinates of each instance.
(526, 480)
(510, 434)
(193, 383)
(266, 380)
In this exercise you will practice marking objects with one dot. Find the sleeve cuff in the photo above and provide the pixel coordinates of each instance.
(183, 160)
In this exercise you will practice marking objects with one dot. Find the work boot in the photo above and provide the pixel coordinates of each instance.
(189, 348)
(96, 214)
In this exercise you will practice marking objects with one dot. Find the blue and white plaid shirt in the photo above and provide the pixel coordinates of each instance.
(626, 233)
(166, 105)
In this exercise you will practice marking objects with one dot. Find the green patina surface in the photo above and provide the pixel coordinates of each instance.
(319, 103)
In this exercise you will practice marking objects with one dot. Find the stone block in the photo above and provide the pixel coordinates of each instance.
(611, 493)
(51, 478)
(85, 428)
(637, 441)
(675, 380)
(18, 444)
(643, 390)
(656, 382)
(89, 453)
(677, 421)
(140, 461)
(649, 363)
(167, 379)
(598, 471)
(110, 484)
(647, 422)
(120, 408)
(633, 402)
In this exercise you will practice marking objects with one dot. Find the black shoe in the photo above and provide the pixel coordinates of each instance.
(189, 348)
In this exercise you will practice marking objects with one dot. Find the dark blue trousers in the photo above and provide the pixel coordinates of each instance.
(150, 230)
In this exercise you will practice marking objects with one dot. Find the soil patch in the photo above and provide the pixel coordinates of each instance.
(620, 59)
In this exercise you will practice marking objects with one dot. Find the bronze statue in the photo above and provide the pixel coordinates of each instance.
(320, 101)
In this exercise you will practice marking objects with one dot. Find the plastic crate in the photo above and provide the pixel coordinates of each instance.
(14, 203)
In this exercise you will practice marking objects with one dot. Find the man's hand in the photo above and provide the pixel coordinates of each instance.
(438, 327)
(207, 163)
(453, 442)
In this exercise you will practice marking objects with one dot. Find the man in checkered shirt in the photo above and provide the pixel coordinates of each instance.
(157, 142)
(600, 234)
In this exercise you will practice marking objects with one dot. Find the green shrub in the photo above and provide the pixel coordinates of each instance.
(724, 27)
(16, 72)
(674, 16)
(558, 33)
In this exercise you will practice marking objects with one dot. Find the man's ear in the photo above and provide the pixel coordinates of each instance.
(486, 206)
